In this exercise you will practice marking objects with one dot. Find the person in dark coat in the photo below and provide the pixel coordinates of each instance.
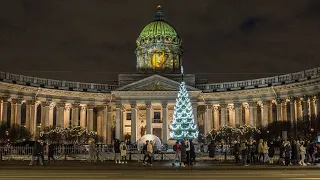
(294, 151)
(192, 153)
(287, 153)
(271, 152)
(183, 153)
(51, 152)
(236, 150)
(37, 152)
(212, 149)
(116, 148)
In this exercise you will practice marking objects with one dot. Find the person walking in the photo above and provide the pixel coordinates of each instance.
(177, 150)
(123, 152)
(187, 151)
(145, 152)
(236, 150)
(150, 151)
(271, 152)
(51, 153)
(265, 152)
(260, 151)
(212, 149)
(244, 153)
(287, 153)
(302, 151)
(36, 153)
(183, 153)
(192, 153)
(92, 151)
(116, 148)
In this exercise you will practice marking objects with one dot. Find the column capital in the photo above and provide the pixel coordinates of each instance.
(279, 100)
(83, 108)
(305, 97)
(75, 105)
(252, 103)
(148, 104)
(118, 104)
(46, 103)
(265, 101)
(17, 101)
(90, 106)
(61, 104)
(5, 98)
(164, 104)
(209, 106)
(30, 102)
(133, 104)
(215, 108)
(292, 99)
(237, 104)
(223, 105)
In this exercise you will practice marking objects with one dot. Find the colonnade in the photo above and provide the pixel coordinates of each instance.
(262, 112)
(39, 115)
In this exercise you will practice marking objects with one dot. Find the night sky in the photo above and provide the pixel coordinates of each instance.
(94, 40)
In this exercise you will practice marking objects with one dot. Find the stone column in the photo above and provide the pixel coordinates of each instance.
(279, 116)
(133, 122)
(237, 110)
(45, 114)
(75, 114)
(105, 129)
(292, 110)
(17, 104)
(4, 116)
(195, 112)
(67, 110)
(100, 121)
(109, 124)
(118, 120)
(318, 104)
(305, 107)
(312, 107)
(33, 117)
(149, 119)
(90, 117)
(284, 110)
(165, 122)
(246, 114)
(28, 112)
(216, 124)
(60, 114)
(51, 108)
(208, 119)
(299, 109)
(13, 112)
(223, 114)
(83, 116)
(252, 109)
(265, 112)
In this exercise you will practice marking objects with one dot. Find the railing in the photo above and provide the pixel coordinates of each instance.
(57, 84)
(106, 152)
(156, 120)
(275, 80)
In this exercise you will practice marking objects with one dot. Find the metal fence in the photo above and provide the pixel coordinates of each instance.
(106, 153)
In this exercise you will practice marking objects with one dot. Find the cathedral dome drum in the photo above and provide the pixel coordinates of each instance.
(159, 46)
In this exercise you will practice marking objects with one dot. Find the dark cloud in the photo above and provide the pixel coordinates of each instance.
(94, 40)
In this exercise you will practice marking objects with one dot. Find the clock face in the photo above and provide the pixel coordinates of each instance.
(158, 59)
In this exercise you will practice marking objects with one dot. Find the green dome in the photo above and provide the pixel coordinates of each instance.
(158, 28)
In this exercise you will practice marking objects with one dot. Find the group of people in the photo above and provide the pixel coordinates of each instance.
(120, 151)
(294, 152)
(38, 152)
(185, 153)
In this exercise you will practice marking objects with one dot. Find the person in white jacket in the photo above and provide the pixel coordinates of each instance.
(302, 151)
(123, 152)
(266, 152)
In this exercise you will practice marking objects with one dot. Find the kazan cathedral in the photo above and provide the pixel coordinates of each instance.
(143, 102)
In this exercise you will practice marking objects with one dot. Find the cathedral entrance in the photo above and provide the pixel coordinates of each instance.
(157, 132)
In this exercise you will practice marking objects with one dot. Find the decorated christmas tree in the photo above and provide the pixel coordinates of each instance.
(183, 125)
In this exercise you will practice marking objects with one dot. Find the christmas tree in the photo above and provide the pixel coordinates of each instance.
(183, 125)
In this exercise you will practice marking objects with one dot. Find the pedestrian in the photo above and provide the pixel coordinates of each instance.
(265, 152)
(271, 152)
(192, 153)
(150, 151)
(92, 151)
(244, 153)
(51, 152)
(236, 150)
(183, 153)
(302, 151)
(187, 151)
(36, 152)
(212, 149)
(177, 150)
(145, 152)
(298, 151)
(116, 148)
(123, 152)
(252, 151)
(287, 153)
(260, 151)
(294, 151)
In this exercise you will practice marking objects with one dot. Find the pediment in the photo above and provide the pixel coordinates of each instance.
(154, 83)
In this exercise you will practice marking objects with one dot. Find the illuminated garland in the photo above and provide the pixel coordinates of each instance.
(183, 125)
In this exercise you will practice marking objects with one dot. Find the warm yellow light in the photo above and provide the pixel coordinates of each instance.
(159, 7)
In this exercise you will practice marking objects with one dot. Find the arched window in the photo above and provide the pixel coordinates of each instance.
(23, 114)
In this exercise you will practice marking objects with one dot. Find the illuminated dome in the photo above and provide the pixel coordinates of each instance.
(158, 46)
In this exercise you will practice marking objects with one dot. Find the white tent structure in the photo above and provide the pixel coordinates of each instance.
(156, 141)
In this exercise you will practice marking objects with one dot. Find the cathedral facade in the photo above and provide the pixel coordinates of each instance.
(143, 103)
